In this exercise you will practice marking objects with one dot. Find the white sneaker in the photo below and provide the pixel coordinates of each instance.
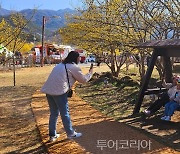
(163, 118)
(54, 138)
(147, 112)
(168, 118)
(74, 135)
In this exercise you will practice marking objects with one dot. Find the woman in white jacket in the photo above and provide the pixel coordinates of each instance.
(56, 88)
(173, 104)
(164, 97)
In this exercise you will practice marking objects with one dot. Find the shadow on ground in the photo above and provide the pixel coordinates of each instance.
(114, 137)
(18, 131)
(166, 132)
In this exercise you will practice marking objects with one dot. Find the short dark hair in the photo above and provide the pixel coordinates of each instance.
(72, 57)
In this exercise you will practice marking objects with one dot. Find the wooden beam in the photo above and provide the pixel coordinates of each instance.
(172, 52)
(167, 43)
(146, 80)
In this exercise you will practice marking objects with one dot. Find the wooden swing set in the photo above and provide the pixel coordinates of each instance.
(166, 49)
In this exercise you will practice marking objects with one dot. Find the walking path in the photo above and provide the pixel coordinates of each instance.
(101, 135)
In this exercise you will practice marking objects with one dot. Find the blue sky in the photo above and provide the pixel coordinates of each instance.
(39, 4)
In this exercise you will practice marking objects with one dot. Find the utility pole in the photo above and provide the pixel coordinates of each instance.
(42, 54)
(43, 31)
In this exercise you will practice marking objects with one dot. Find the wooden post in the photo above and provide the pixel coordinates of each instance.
(146, 81)
(42, 55)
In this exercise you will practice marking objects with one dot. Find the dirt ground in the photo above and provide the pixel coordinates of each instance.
(100, 134)
(24, 122)
(18, 130)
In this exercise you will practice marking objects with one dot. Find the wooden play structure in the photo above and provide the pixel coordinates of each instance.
(166, 49)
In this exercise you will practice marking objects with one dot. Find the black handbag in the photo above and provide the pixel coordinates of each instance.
(70, 91)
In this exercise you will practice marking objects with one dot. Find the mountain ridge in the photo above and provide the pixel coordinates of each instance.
(52, 24)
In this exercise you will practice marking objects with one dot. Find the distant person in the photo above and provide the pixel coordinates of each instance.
(56, 88)
(173, 104)
(164, 98)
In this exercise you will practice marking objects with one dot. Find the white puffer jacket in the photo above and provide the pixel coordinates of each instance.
(57, 82)
(172, 91)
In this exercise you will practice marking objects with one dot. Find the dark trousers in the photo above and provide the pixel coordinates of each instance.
(164, 98)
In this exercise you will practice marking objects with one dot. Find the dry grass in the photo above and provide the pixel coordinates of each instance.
(34, 76)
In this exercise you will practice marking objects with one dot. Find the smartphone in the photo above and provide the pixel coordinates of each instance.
(91, 66)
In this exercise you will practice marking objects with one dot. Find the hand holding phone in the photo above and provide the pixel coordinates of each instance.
(91, 66)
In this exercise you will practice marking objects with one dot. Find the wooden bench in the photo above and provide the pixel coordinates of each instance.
(155, 91)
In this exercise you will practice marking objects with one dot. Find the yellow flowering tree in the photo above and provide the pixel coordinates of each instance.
(122, 24)
(12, 33)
